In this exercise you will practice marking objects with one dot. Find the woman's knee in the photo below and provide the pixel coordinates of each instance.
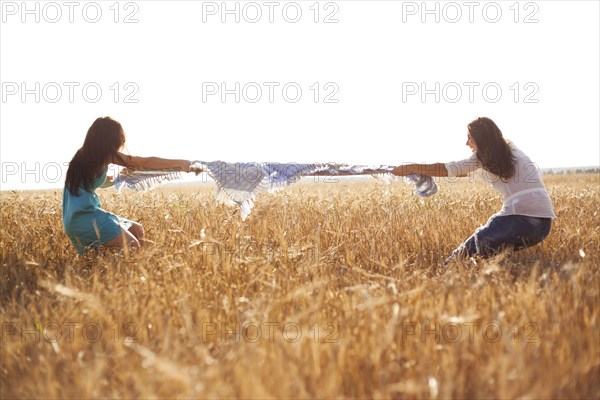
(467, 249)
(137, 230)
(125, 238)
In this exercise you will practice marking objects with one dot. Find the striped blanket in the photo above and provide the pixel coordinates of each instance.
(239, 183)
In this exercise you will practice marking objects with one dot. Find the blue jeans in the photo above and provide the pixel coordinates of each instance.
(502, 232)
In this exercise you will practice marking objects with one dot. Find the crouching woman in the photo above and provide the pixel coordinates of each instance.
(526, 215)
(85, 222)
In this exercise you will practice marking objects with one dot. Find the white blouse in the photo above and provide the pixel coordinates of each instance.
(524, 193)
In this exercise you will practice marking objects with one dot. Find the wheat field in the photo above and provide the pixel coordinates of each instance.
(327, 290)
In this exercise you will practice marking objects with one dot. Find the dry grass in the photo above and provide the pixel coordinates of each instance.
(345, 282)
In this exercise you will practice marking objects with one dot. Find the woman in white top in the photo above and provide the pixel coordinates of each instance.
(526, 215)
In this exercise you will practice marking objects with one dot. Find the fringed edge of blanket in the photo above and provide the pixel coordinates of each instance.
(141, 180)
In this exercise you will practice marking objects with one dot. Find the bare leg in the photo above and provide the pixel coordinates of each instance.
(126, 238)
(137, 230)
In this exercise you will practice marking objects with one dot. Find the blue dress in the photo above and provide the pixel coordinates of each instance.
(86, 224)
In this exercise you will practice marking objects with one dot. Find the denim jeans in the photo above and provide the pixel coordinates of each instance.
(502, 232)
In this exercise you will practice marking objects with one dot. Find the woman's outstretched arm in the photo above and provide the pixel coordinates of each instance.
(437, 169)
(150, 162)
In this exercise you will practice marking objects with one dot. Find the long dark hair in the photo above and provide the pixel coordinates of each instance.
(493, 150)
(103, 140)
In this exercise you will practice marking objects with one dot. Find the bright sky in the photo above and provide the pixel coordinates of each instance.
(369, 82)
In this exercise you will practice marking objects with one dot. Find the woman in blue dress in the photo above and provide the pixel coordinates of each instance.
(85, 222)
